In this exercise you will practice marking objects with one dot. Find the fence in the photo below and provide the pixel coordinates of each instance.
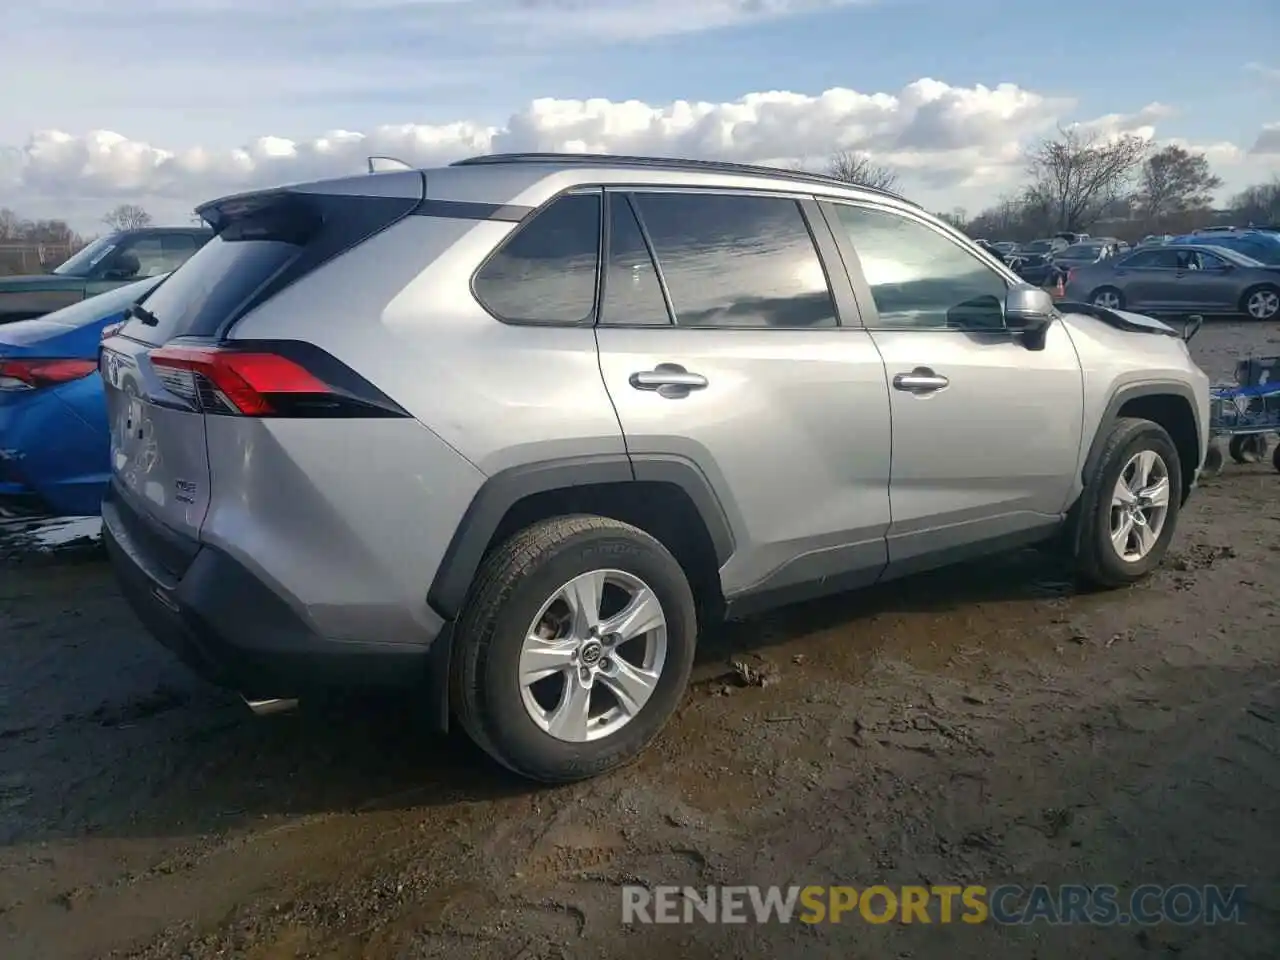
(27, 257)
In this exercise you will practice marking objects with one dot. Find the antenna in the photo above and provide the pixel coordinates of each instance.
(383, 164)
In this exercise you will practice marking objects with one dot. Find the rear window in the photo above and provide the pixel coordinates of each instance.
(208, 288)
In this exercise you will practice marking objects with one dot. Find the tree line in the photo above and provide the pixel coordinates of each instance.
(1080, 181)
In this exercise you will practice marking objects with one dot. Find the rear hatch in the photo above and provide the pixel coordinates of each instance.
(169, 366)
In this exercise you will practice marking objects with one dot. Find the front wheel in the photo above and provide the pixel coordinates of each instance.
(1132, 502)
(1108, 298)
(574, 648)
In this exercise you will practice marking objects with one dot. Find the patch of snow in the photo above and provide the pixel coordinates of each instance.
(57, 533)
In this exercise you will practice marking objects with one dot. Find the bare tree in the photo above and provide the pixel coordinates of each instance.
(958, 217)
(1078, 174)
(860, 169)
(10, 224)
(127, 216)
(1258, 204)
(1175, 181)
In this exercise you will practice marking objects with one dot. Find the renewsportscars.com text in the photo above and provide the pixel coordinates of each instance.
(1100, 905)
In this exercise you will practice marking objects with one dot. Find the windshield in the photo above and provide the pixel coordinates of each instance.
(94, 309)
(81, 264)
(1081, 252)
(1038, 246)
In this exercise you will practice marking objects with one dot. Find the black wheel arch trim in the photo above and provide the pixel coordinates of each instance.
(1112, 413)
(503, 490)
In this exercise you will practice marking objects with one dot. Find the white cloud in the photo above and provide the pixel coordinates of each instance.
(954, 146)
(1268, 142)
(939, 135)
(1264, 71)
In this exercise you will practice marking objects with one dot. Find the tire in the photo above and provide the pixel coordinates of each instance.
(1275, 458)
(1107, 292)
(1098, 560)
(518, 581)
(1248, 447)
(1261, 302)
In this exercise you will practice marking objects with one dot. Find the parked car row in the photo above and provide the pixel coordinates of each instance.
(1180, 278)
(106, 263)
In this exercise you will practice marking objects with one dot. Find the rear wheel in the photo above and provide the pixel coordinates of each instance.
(1132, 504)
(1108, 297)
(574, 648)
(1261, 303)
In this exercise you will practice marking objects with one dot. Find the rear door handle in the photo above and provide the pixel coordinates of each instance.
(668, 380)
(920, 380)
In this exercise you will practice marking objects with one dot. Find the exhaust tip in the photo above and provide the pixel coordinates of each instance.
(265, 708)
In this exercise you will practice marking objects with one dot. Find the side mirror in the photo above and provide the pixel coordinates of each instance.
(1029, 310)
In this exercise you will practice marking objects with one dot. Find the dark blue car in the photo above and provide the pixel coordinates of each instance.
(54, 444)
(1261, 245)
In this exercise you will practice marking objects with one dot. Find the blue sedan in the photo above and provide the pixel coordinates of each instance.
(54, 444)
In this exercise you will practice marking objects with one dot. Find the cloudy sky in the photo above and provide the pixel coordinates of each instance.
(171, 102)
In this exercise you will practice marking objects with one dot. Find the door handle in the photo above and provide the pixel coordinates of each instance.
(920, 380)
(668, 380)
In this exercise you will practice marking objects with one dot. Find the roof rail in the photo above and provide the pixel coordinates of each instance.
(671, 163)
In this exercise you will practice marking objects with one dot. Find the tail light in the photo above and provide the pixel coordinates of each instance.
(33, 374)
(288, 379)
(1071, 274)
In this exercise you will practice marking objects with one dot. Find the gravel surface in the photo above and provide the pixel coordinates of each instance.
(988, 725)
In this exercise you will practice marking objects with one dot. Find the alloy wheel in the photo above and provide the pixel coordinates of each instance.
(1139, 505)
(1263, 304)
(593, 655)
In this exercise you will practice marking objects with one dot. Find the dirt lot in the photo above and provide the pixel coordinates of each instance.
(988, 726)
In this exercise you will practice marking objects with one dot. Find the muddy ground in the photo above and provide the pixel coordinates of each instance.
(983, 726)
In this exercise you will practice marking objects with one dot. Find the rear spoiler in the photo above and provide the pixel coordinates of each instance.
(269, 206)
(1120, 322)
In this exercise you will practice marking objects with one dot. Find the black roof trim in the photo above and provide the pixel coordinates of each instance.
(672, 163)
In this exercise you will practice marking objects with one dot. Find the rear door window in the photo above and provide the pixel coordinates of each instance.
(737, 261)
(1151, 260)
(547, 270)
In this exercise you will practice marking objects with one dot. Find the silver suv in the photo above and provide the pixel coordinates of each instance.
(518, 429)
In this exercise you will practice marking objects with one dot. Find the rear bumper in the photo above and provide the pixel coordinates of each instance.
(233, 629)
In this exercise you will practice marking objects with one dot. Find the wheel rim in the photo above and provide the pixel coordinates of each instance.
(593, 656)
(1264, 304)
(1107, 299)
(1139, 506)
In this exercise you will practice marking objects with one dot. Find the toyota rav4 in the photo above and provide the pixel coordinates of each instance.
(515, 431)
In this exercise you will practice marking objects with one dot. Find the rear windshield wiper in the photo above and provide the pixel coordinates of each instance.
(143, 314)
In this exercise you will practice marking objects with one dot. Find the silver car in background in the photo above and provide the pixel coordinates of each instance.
(1182, 278)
